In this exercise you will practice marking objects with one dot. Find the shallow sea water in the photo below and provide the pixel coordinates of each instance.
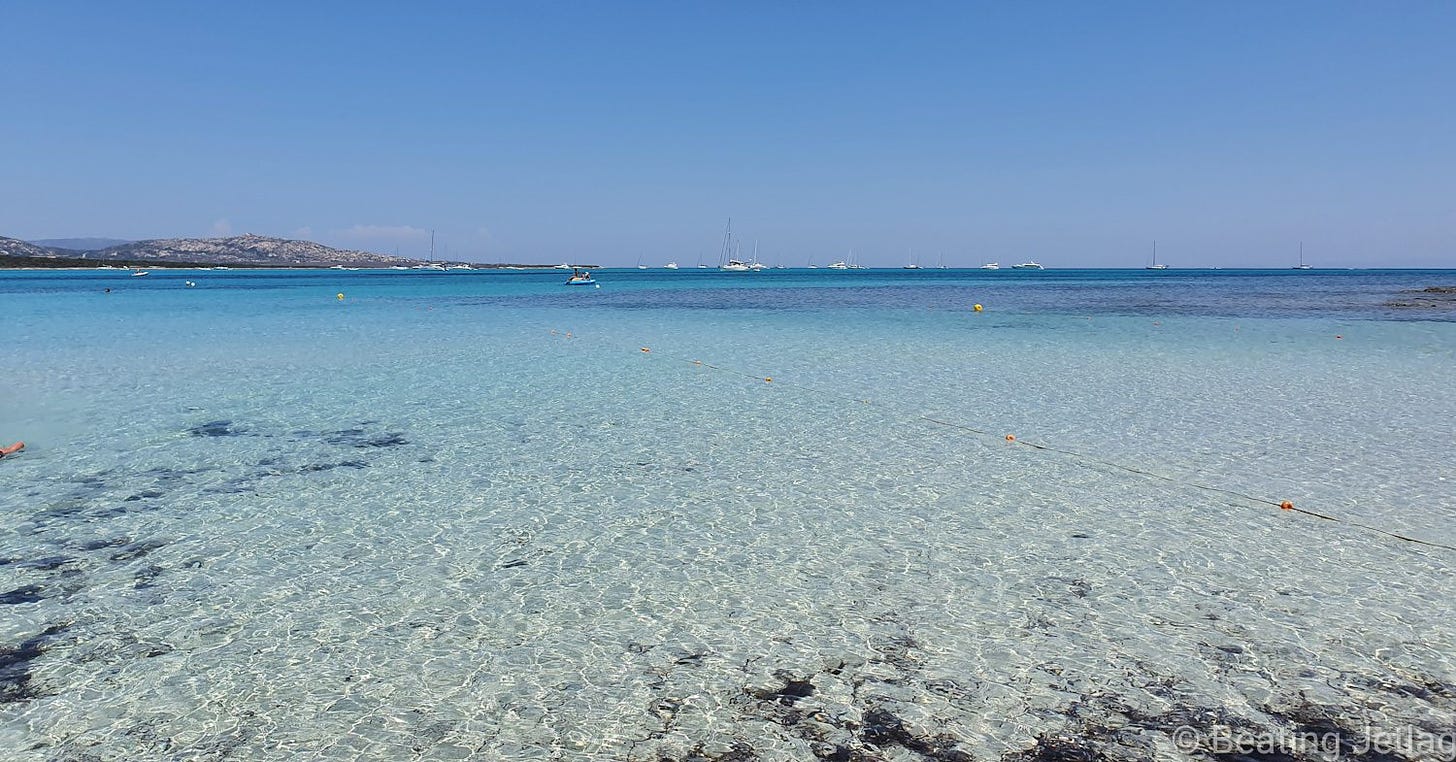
(258, 522)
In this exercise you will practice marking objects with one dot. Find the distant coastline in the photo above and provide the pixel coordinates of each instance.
(76, 263)
(244, 251)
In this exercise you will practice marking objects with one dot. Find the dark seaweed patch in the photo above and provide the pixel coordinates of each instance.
(24, 594)
(146, 576)
(49, 563)
(789, 694)
(361, 439)
(214, 429)
(1430, 298)
(1057, 749)
(115, 542)
(316, 467)
(15, 675)
(739, 752)
(883, 730)
(137, 550)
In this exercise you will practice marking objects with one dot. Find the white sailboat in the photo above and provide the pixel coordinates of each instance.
(912, 264)
(1154, 264)
(1302, 265)
(728, 260)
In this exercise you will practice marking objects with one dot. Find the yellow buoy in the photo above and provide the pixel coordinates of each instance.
(978, 308)
(341, 296)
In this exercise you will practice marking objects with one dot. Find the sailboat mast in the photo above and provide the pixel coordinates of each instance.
(727, 249)
(432, 245)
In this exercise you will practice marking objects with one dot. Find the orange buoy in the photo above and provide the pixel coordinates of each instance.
(768, 379)
(1011, 437)
(1286, 505)
(645, 349)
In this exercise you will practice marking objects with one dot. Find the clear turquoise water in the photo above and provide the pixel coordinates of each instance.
(258, 522)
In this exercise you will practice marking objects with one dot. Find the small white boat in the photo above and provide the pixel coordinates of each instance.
(562, 266)
(580, 277)
(670, 266)
(840, 265)
(140, 273)
(991, 266)
(1028, 265)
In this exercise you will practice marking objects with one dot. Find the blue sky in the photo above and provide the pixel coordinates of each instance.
(1071, 133)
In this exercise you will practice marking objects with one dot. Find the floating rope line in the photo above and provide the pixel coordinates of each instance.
(1284, 505)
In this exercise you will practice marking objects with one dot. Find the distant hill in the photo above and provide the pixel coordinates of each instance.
(81, 244)
(246, 250)
(236, 251)
(241, 250)
(14, 247)
(16, 254)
